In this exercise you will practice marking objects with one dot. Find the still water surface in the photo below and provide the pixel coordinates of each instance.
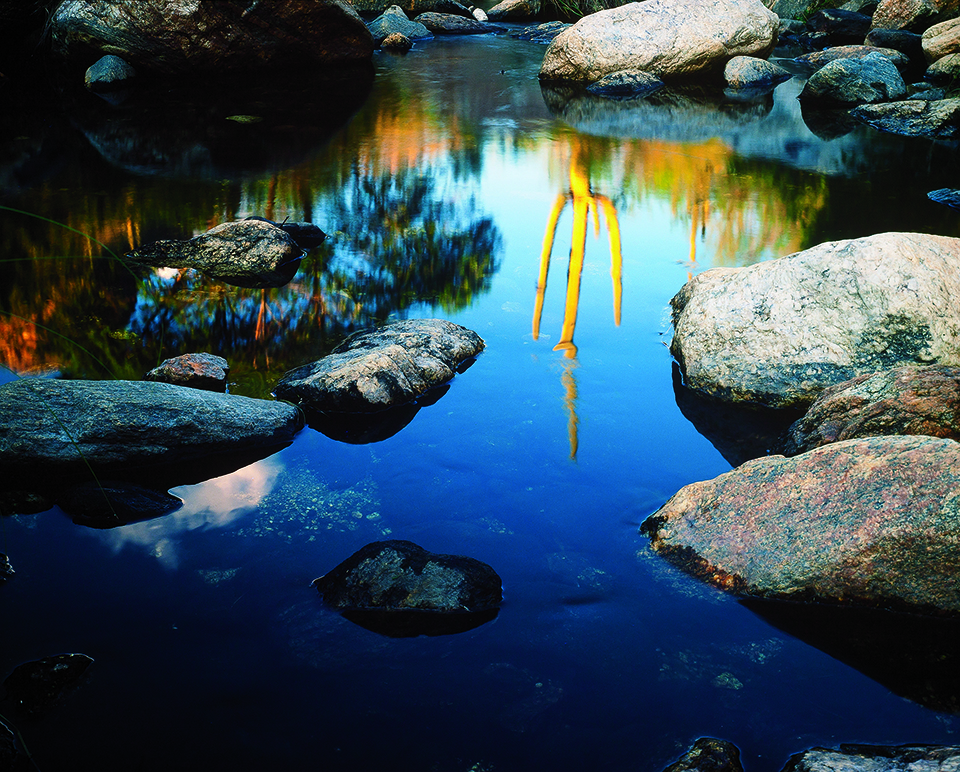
(442, 184)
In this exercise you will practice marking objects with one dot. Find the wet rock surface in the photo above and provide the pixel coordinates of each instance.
(632, 84)
(904, 401)
(395, 21)
(108, 504)
(454, 24)
(709, 754)
(667, 38)
(819, 59)
(37, 687)
(778, 333)
(109, 72)
(198, 371)
(876, 758)
(248, 253)
(871, 522)
(937, 119)
(385, 367)
(399, 589)
(56, 430)
(849, 81)
(751, 72)
(172, 37)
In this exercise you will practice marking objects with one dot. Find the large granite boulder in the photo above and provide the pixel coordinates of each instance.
(779, 332)
(876, 758)
(399, 589)
(180, 37)
(873, 522)
(395, 21)
(847, 81)
(936, 119)
(54, 430)
(911, 15)
(248, 253)
(377, 369)
(668, 38)
(904, 400)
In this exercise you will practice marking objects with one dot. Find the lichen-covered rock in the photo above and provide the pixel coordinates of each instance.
(54, 429)
(872, 522)
(779, 332)
(376, 369)
(709, 754)
(875, 758)
(936, 118)
(941, 39)
(247, 253)
(945, 70)
(181, 37)
(513, 10)
(395, 20)
(847, 81)
(751, 72)
(396, 42)
(402, 576)
(108, 72)
(668, 38)
(818, 59)
(198, 371)
(904, 400)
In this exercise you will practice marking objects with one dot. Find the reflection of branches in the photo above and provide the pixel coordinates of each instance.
(584, 200)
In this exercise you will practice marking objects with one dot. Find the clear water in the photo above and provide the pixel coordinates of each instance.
(213, 651)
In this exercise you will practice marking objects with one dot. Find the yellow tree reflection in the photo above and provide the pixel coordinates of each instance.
(584, 202)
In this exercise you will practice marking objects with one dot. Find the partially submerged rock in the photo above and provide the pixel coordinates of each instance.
(668, 38)
(389, 366)
(454, 24)
(198, 371)
(751, 72)
(6, 569)
(248, 253)
(109, 72)
(394, 20)
(174, 37)
(872, 522)
(109, 503)
(936, 119)
(777, 333)
(818, 59)
(396, 42)
(947, 196)
(709, 754)
(849, 81)
(400, 589)
(53, 430)
(36, 687)
(632, 84)
(875, 758)
(904, 401)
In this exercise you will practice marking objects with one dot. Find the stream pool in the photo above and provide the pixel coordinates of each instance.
(438, 180)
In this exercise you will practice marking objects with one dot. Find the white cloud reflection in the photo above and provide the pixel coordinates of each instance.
(215, 503)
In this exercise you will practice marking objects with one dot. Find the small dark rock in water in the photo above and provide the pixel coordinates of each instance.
(709, 755)
(109, 72)
(35, 687)
(626, 83)
(388, 366)
(402, 578)
(110, 504)
(452, 24)
(23, 502)
(396, 42)
(198, 371)
(6, 570)
(541, 33)
(876, 758)
(250, 253)
(948, 196)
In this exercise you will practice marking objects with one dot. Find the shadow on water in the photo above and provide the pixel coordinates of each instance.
(915, 657)
(740, 432)
(410, 624)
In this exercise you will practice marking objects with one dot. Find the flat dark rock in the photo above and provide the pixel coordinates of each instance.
(453, 24)
(51, 429)
(385, 367)
(36, 687)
